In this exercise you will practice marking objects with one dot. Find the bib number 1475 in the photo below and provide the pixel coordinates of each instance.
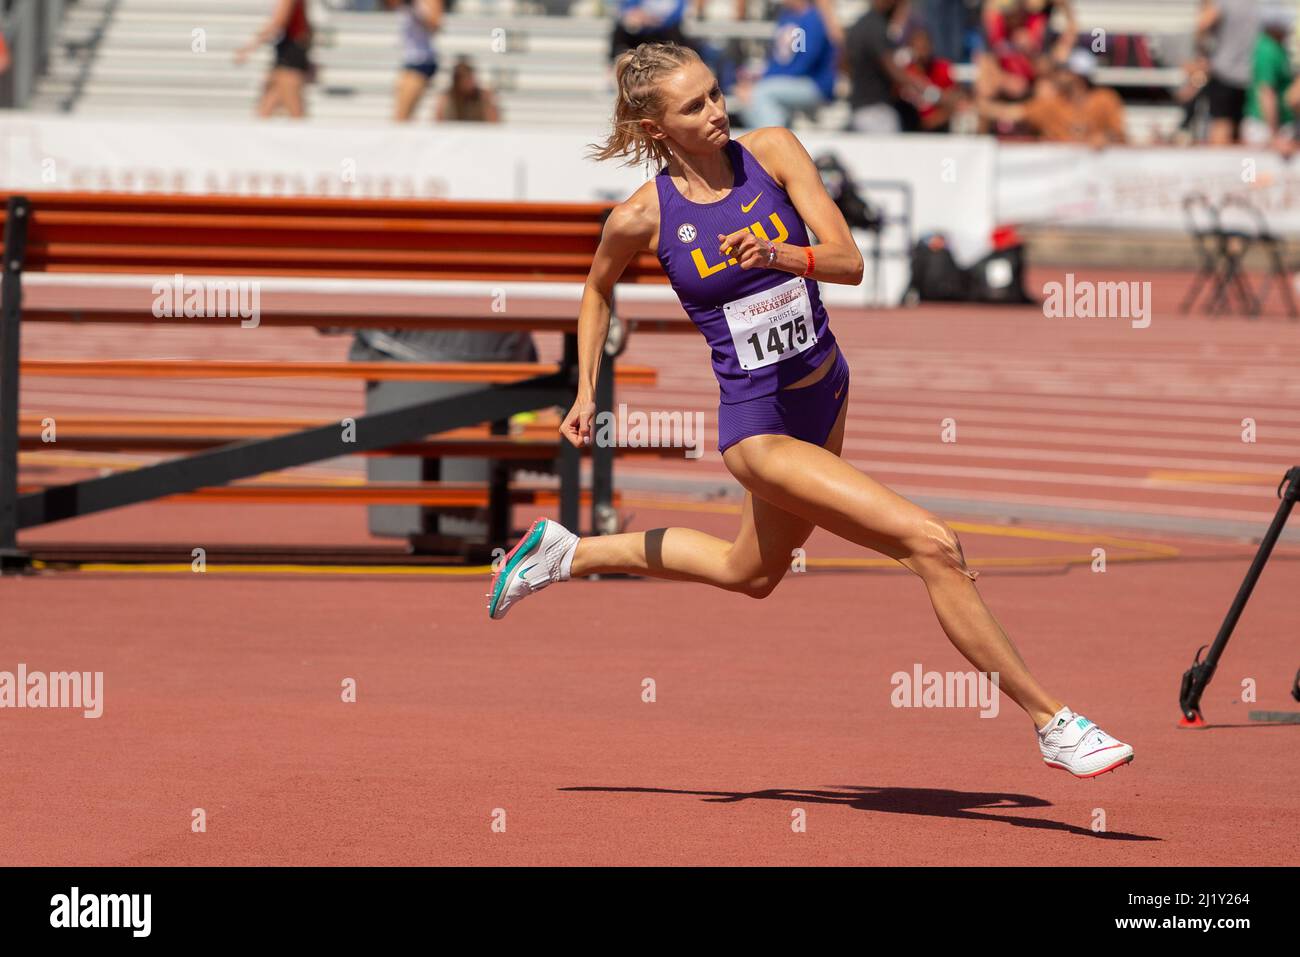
(771, 325)
(780, 339)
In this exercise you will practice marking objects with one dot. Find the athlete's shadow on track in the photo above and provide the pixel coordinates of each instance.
(926, 802)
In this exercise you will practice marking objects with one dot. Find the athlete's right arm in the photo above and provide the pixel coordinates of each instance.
(628, 231)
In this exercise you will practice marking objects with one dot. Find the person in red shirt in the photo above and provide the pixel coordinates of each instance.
(938, 94)
(1019, 51)
(1068, 108)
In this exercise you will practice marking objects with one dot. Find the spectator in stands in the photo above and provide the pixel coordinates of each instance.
(1068, 108)
(1018, 50)
(831, 20)
(830, 17)
(1036, 17)
(292, 70)
(1268, 118)
(940, 95)
(876, 77)
(945, 25)
(420, 19)
(1192, 97)
(800, 69)
(649, 21)
(1233, 25)
(465, 101)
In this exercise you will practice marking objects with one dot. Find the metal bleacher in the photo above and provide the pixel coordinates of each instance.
(134, 57)
(138, 58)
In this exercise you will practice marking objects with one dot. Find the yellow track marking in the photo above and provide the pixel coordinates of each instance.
(261, 569)
(1222, 478)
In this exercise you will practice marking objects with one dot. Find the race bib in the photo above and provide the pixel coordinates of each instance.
(771, 325)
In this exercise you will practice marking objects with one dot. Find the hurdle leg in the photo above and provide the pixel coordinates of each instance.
(499, 494)
(604, 520)
(569, 465)
(18, 215)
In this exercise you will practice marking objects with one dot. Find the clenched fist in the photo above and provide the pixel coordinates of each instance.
(746, 248)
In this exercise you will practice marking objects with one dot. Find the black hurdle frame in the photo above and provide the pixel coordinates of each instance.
(494, 403)
(1198, 676)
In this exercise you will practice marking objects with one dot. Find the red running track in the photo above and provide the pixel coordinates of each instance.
(223, 693)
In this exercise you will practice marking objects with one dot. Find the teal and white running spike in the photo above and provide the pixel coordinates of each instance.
(541, 557)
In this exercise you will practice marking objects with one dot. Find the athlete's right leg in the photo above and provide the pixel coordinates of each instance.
(753, 564)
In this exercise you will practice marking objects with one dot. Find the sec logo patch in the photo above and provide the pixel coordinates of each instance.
(686, 232)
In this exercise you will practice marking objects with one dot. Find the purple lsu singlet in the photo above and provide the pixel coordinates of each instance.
(767, 328)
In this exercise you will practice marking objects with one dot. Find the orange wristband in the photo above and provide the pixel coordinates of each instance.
(811, 261)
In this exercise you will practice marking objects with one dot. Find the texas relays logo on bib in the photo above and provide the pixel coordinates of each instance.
(686, 232)
(772, 325)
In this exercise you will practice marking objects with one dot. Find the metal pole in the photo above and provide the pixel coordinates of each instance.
(18, 215)
(603, 518)
(1198, 676)
(570, 464)
(499, 506)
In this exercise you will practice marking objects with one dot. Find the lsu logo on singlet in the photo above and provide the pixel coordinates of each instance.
(705, 270)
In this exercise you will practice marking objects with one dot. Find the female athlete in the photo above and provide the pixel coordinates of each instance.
(729, 220)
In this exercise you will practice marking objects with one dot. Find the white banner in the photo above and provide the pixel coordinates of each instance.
(1141, 188)
(945, 182)
(949, 180)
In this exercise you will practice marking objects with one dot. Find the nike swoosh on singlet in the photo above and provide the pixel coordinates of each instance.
(841, 389)
(745, 209)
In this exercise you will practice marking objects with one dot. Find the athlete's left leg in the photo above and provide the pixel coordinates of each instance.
(819, 486)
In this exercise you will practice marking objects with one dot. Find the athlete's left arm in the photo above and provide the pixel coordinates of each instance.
(836, 256)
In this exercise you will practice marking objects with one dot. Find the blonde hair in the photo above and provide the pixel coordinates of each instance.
(637, 74)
